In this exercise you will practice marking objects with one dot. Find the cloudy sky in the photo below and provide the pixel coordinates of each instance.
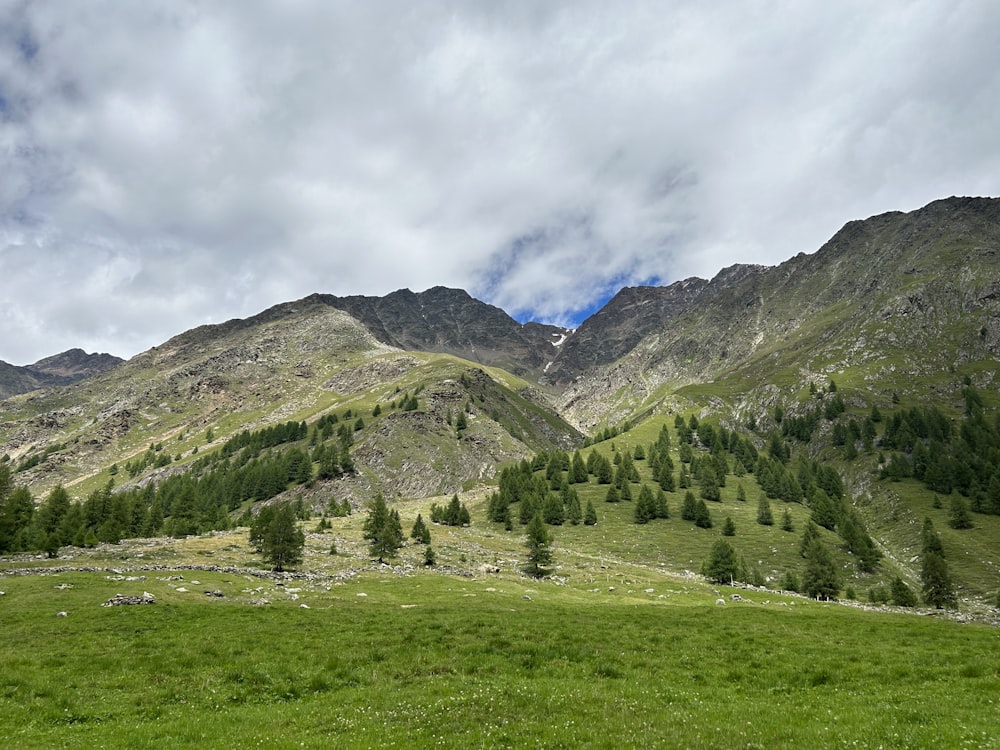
(169, 163)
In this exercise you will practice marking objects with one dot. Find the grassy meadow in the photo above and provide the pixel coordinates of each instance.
(624, 646)
(413, 658)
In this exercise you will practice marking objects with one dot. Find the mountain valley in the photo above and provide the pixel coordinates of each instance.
(441, 391)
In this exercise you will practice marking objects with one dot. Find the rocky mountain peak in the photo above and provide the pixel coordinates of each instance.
(59, 369)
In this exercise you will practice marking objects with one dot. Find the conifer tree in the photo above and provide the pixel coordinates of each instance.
(958, 514)
(810, 535)
(764, 515)
(553, 510)
(574, 513)
(539, 543)
(901, 594)
(702, 518)
(786, 521)
(283, 540)
(935, 579)
(689, 508)
(645, 508)
(382, 530)
(721, 566)
(729, 528)
(660, 507)
(420, 533)
(590, 515)
(819, 580)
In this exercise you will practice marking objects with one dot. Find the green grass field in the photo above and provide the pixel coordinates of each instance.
(430, 660)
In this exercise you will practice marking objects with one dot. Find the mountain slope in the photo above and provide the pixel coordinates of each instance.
(60, 369)
(296, 361)
(888, 303)
(632, 314)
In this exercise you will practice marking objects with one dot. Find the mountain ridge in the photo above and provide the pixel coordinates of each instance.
(59, 369)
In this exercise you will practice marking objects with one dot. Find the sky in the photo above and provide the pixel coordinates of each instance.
(169, 163)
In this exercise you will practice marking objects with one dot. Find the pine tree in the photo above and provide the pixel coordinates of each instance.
(819, 580)
(810, 535)
(689, 507)
(590, 515)
(764, 515)
(281, 541)
(16, 511)
(935, 579)
(786, 521)
(574, 514)
(539, 543)
(958, 514)
(702, 518)
(645, 508)
(721, 566)
(420, 533)
(729, 528)
(553, 510)
(660, 507)
(382, 530)
(901, 594)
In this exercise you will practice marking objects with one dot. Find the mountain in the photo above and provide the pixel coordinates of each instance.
(329, 400)
(450, 321)
(60, 369)
(887, 305)
(629, 316)
(301, 361)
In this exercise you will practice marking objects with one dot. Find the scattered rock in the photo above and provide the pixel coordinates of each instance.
(64, 586)
(216, 594)
(303, 606)
(362, 593)
(736, 598)
(720, 601)
(181, 590)
(62, 614)
(122, 600)
(486, 568)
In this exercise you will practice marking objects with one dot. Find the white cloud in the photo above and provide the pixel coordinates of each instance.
(173, 163)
